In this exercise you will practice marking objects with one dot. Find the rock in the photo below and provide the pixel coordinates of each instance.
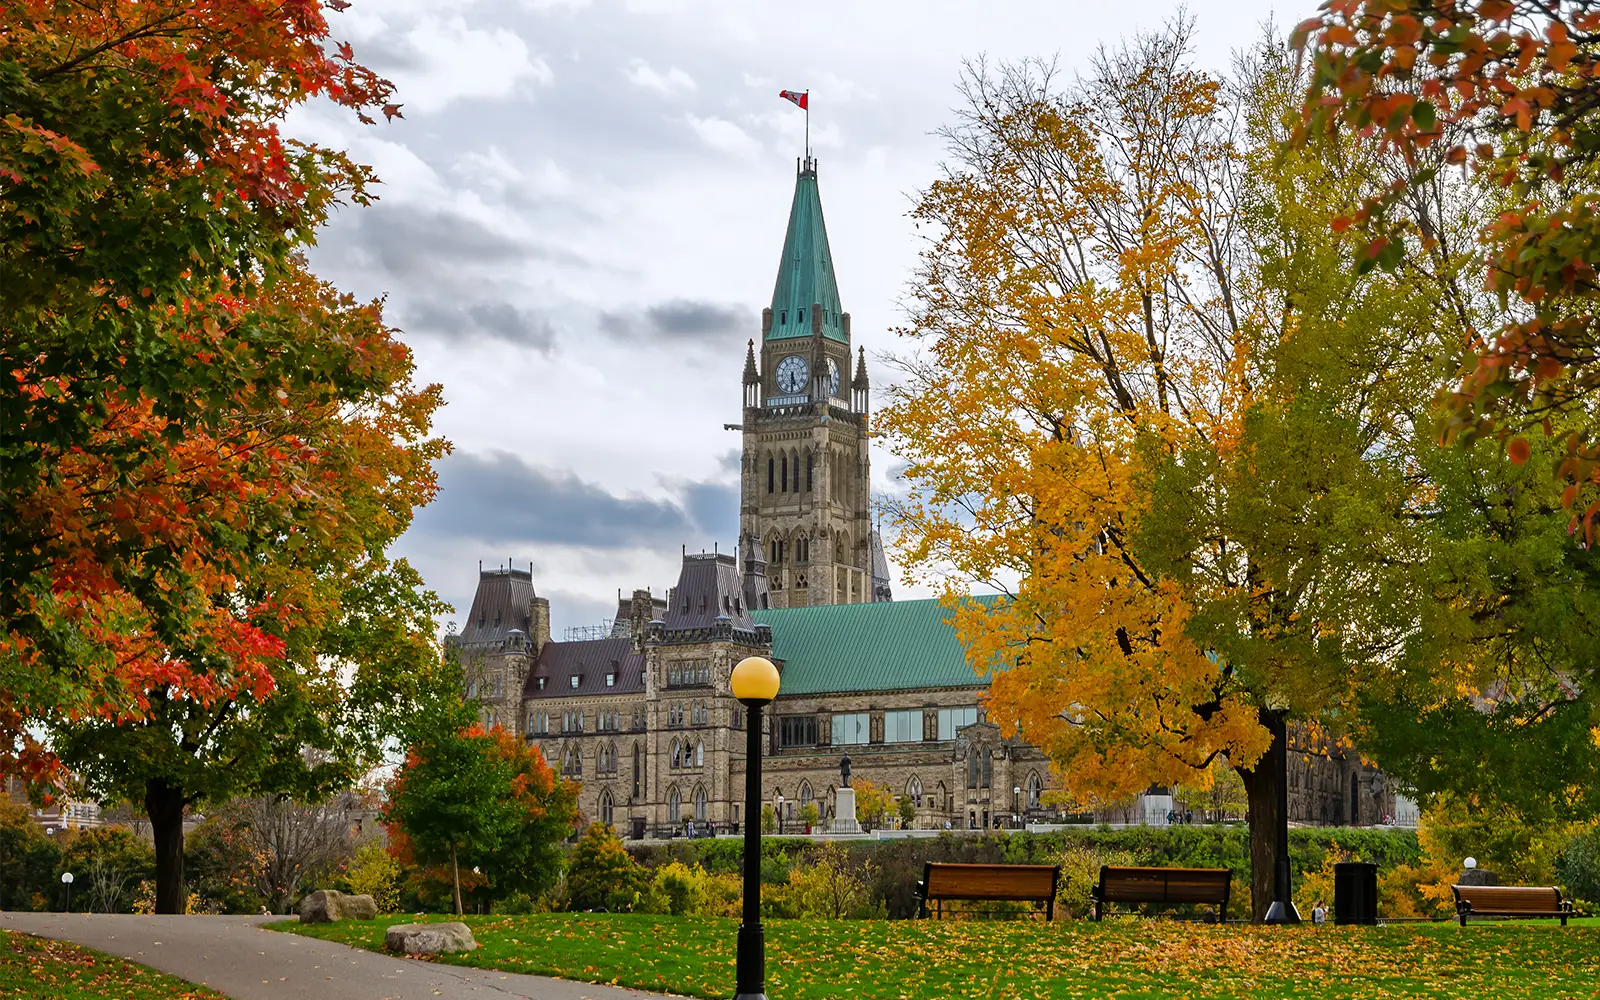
(327, 905)
(429, 939)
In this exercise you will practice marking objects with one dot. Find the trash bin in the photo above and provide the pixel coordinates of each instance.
(1355, 893)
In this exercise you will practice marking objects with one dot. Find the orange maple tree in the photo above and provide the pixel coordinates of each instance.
(1506, 90)
(207, 449)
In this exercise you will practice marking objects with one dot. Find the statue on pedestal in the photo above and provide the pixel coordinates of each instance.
(844, 770)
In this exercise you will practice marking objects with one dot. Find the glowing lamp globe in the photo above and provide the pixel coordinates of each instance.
(1471, 863)
(754, 679)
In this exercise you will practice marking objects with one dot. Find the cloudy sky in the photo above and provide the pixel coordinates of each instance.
(581, 219)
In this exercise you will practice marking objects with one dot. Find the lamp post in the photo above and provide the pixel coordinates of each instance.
(66, 880)
(1016, 804)
(780, 815)
(1282, 910)
(755, 683)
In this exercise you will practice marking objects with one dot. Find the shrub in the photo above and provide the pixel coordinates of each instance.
(28, 861)
(1080, 873)
(831, 886)
(374, 872)
(518, 903)
(1578, 867)
(769, 820)
(602, 874)
(108, 863)
(810, 815)
(222, 868)
(683, 890)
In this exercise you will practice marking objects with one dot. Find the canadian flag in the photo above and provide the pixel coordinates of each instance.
(799, 97)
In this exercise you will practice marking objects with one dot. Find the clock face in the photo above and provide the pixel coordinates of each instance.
(833, 377)
(792, 372)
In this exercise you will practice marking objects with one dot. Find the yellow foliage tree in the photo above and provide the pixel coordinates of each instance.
(1149, 402)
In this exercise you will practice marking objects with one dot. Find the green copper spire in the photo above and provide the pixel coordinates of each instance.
(805, 274)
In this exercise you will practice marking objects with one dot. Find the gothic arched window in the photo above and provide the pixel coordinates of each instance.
(607, 808)
(808, 471)
(674, 804)
(771, 466)
(699, 754)
(699, 804)
(783, 474)
(1034, 787)
(677, 755)
(914, 791)
(638, 773)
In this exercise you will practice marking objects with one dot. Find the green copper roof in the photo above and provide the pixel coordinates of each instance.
(805, 273)
(881, 646)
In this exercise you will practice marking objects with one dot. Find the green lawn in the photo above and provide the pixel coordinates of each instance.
(55, 970)
(1132, 958)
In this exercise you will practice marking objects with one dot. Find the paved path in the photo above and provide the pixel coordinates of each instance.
(234, 956)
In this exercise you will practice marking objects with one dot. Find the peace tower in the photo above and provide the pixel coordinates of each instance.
(805, 524)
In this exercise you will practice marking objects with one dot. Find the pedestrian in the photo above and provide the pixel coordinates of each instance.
(1319, 913)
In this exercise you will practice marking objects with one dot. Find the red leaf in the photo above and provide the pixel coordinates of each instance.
(1519, 450)
(392, 111)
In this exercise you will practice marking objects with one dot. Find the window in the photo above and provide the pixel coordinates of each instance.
(951, 719)
(737, 722)
(805, 794)
(674, 804)
(902, 727)
(700, 804)
(611, 680)
(914, 791)
(797, 731)
(472, 688)
(607, 809)
(808, 471)
(771, 467)
(851, 729)
(988, 768)
(539, 722)
(572, 763)
(574, 680)
(540, 682)
(677, 755)
(638, 773)
(699, 755)
(783, 473)
(1034, 787)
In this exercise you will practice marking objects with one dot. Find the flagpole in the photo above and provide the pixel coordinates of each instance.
(808, 124)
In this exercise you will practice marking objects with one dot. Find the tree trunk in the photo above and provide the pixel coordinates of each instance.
(164, 805)
(455, 878)
(1262, 787)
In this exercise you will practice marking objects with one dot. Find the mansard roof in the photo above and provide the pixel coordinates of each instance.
(879, 646)
(501, 604)
(805, 272)
(589, 661)
(709, 586)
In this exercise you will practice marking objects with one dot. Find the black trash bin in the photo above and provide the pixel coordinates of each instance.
(1355, 893)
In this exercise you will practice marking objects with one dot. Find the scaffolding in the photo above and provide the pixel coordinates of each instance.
(589, 633)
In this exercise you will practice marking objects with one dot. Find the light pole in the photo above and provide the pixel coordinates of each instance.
(1282, 910)
(755, 683)
(1016, 804)
(66, 880)
(780, 815)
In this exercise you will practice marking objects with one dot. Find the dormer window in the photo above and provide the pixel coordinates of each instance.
(611, 680)
(574, 680)
(783, 317)
(800, 315)
(539, 681)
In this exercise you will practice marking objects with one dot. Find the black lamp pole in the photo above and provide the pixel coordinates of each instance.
(751, 966)
(1282, 910)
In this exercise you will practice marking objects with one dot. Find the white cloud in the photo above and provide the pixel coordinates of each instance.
(672, 81)
(724, 136)
(453, 62)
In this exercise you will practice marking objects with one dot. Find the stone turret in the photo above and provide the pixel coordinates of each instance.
(859, 388)
(752, 377)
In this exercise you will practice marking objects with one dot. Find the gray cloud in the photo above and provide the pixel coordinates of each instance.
(498, 498)
(680, 321)
(497, 320)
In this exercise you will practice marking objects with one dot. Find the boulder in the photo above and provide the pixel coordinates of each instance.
(327, 905)
(429, 939)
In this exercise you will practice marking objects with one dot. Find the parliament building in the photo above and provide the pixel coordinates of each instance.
(642, 716)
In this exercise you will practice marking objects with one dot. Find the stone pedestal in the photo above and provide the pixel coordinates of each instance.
(844, 811)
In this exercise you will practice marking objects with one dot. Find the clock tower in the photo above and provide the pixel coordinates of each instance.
(805, 524)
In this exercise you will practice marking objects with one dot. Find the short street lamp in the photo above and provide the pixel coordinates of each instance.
(780, 815)
(755, 684)
(66, 880)
(1016, 804)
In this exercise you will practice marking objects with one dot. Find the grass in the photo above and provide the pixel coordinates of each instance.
(35, 967)
(1131, 958)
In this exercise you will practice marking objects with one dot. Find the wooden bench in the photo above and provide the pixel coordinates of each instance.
(1510, 901)
(1162, 885)
(1016, 883)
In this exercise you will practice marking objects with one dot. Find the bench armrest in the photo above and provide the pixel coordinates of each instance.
(922, 890)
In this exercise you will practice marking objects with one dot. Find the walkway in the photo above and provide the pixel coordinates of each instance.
(233, 956)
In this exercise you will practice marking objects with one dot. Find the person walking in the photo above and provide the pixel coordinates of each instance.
(1319, 913)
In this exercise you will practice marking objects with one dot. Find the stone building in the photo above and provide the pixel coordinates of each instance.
(641, 714)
